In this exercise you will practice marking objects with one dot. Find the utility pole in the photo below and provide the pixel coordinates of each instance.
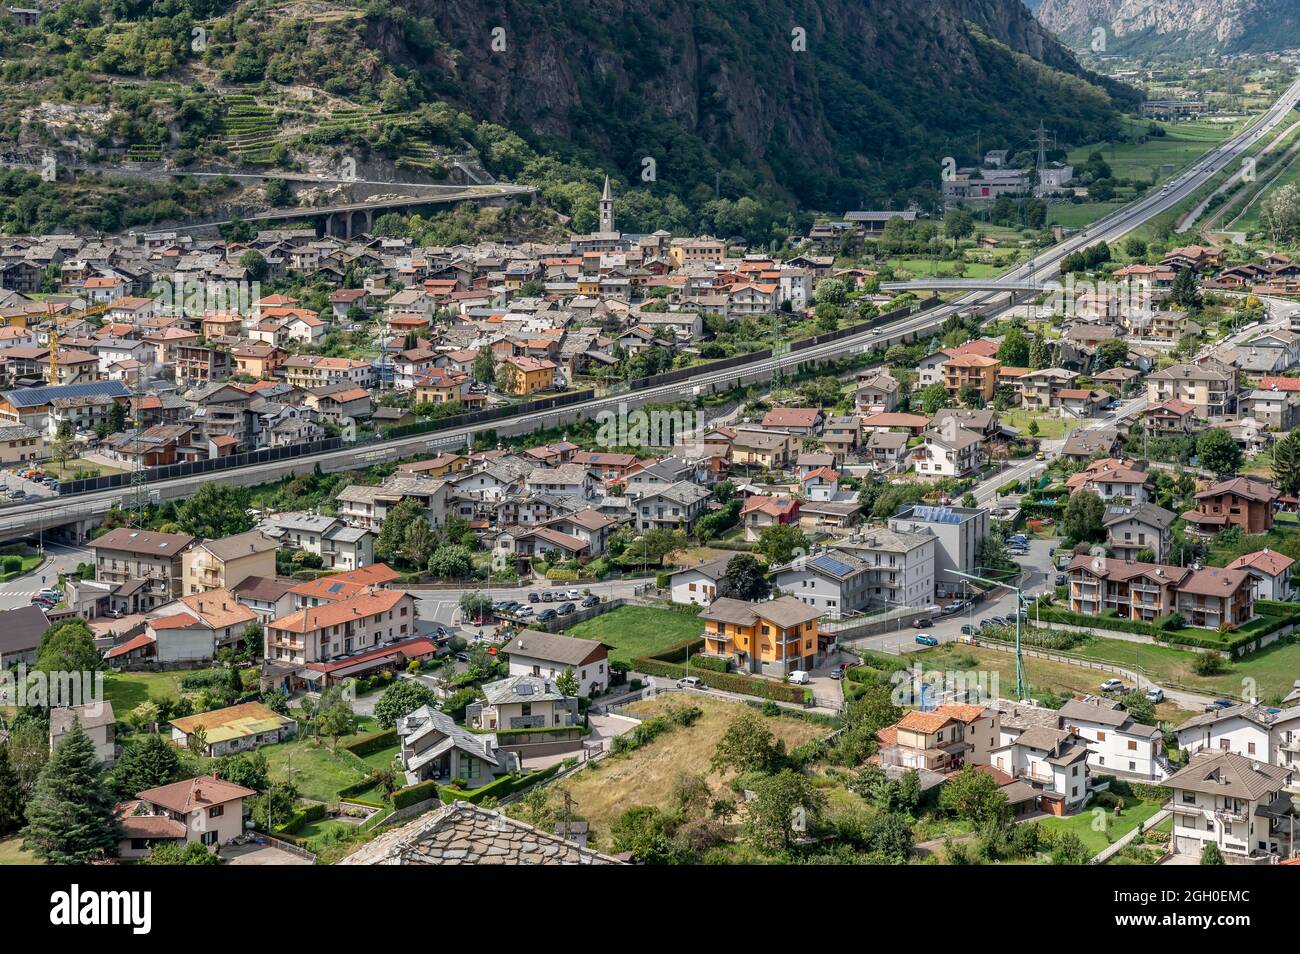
(139, 479)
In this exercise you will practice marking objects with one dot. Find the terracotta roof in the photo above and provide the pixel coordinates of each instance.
(1266, 560)
(195, 793)
(366, 603)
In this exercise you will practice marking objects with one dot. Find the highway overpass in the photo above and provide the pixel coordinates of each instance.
(79, 513)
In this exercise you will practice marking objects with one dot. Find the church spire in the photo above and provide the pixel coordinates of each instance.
(607, 208)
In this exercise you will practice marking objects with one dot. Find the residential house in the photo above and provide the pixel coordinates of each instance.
(548, 655)
(156, 559)
(1235, 803)
(522, 702)
(772, 637)
(233, 729)
(208, 810)
(1239, 502)
(1269, 571)
(1133, 528)
(225, 563)
(98, 722)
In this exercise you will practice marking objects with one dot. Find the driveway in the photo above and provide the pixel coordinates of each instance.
(260, 855)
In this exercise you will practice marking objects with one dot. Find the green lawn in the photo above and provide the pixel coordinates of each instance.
(31, 560)
(1086, 823)
(1181, 143)
(1050, 426)
(11, 853)
(634, 631)
(126, 690)
(1076, 215)
(315, 769)
(1274, 668)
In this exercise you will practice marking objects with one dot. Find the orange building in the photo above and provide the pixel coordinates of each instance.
(774, 637)
(971, 371)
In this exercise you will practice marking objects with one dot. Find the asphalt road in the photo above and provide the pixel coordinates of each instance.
(61, 558)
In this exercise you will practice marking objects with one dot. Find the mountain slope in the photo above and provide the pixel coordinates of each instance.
(883, 91)
(1187, 26)
(718, 114)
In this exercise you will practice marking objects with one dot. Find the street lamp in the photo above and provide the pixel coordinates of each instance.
(1020, 666)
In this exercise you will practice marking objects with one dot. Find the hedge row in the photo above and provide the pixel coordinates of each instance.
(301, 817)
(1184, 636)
(372, 742)
(499, 788)
(726, 681)
(411, 794)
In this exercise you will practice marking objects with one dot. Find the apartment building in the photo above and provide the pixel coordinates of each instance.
(1235, 803)
(151, 562)
(1117, 744)
(332, 631)
(225, 563)
(775, 637)
(1206, 597)
(877, 567)
(1211, 389)
(1130, 529)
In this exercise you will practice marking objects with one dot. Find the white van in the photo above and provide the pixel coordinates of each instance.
(799, 677)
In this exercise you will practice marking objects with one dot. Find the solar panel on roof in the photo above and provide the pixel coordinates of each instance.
(523, 689)
(831, 565)
(335, 587)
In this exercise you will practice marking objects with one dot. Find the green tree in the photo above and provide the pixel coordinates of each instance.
(1217, 452)
(1286, 464)
(567, 682)
(70, 817)
(781, 542)
(1014, 350)
(1112, 353)
(1211, 855)
(747, 745)
(1082, 519)
(147, 761)
(787, 804)
(392, 532)
(254, 265)
(417, 542)
(475, 605)
(11, 795)
(451, 562)
(745, 579)
(975, 796)
(215, 511)
(68, 647)
(172, 853)
(933, 398)
(402, 698)
(485, 364)
(646, 832)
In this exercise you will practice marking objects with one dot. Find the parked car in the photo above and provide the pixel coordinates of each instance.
(922, 623)
(1155, 694)
(462, 657)
(534, 598)
(524, 611)
(546, 615)
(590, 600)
(548, 597)
(43, 601)
(800, 678)
(1000, 621)
(690, 682)
(1222, 704)
(985, 622)
(564, 609)
(925, 639)
(1060, 579)
(837, 672)
(970, 630)
(953, 607)
(51, 593)
(573, 594)
(1112, 685)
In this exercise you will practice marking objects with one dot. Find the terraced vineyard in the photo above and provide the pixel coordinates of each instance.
(249, 130)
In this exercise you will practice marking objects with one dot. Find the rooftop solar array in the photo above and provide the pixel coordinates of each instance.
(935, 514)
(831, 565)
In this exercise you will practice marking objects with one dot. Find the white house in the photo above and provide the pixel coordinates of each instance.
(698, 584)
(1244, 729)
(1052, 760)
(1233, 802)
(548, 655)
(1117, 745)
(1269, 571)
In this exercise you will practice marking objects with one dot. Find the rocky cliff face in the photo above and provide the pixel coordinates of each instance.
(833, 99)
(1223, 26)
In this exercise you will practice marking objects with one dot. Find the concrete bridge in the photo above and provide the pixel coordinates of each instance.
(963, 285)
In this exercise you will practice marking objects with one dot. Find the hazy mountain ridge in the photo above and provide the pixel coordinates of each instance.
(1220, 26)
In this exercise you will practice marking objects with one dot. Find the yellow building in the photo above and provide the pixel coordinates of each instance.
(774, 638)
(224, 564)
(529, 375)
